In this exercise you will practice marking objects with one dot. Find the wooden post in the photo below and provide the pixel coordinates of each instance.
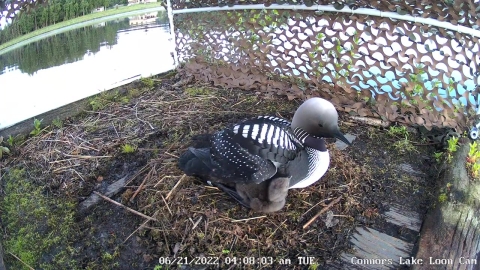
(450, 236)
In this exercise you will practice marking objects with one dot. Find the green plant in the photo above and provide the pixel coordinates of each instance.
(3, 149)
(128, 148)
(404, 145)
(158, 267)
(442, 197)
(194, 91)
(10, 140)
(438, 156)
(452, 144)
(36, 224)
(475, 170)
(36, 127)
(147, 82)
(225, 251)
(57, 123)
(397, 131)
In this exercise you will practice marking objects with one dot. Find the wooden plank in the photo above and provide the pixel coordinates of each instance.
(404, 218)
(450, 236)
(374, 250)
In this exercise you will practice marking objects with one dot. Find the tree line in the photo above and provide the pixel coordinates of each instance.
(56, 50)
(54, 11)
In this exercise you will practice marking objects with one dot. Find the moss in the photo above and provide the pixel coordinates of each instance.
(147, 82)
(37, 226)
(197, 91)
(443, 197)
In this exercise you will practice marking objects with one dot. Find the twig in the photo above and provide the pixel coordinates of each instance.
(137, 174)
(174, 187)
(277, 228)
(142, 184)
(246, 219)
(125, 207)
(78, 175)
(166, 176)
(65, 167)
(31, 268)
(114, 128)
(315, 205)
(166, 204)
(143, 121)
(86, 157)
(240, 102)
(321, 212)
(171, 155)
(141, 226)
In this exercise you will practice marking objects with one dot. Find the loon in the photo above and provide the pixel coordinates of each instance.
(256, 161)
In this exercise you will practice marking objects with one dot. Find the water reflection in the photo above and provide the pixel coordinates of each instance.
(70, 66)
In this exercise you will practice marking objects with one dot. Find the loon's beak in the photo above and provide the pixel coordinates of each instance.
(340, 136)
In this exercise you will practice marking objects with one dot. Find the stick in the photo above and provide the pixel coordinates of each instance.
(246, 219)
(321, 212)
(141, 226)
(124, 207)
(86, 157)
(142, 184)
(370, 121)
(31, 268)
(172, 155)
(168, 208)
(174, 187)
(166, 176)
(137, 174)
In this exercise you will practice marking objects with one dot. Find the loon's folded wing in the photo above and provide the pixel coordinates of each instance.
(252, 151)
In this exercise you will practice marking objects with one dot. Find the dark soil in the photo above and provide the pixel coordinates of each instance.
(193, 220)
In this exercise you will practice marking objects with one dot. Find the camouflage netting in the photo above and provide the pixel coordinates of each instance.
(371, 66)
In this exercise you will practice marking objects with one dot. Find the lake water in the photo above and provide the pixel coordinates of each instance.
(69, 66)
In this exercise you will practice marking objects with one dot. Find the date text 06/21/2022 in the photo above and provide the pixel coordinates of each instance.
(215, 260)
(302, 260)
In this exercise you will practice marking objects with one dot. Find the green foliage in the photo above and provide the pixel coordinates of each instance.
(37, 227)
(53, 12)
(225, 251)
(128, 148)
(443, 197)
(57, 123)
(438, 156)
(473, 160)
(402, 138)
(398, 131)
(147, 82)
(50, 52)
(404, 145)
(197, 91)
(452, 144)
(97, 103)
(36, 127)
(3, 149)
(17, 140)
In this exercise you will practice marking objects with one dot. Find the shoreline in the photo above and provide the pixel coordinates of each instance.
(78, 22)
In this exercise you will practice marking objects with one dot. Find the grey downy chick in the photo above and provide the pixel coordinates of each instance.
(267, 197)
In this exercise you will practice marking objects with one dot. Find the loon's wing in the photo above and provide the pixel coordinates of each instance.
(253, 150)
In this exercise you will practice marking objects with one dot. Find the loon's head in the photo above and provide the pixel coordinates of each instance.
(318, 117)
